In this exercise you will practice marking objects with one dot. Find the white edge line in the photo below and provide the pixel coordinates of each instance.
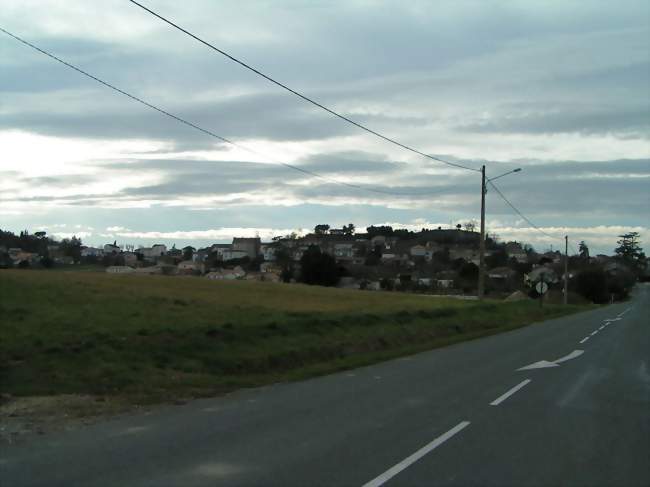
(584, 339)
(505, 396)
(391, 472)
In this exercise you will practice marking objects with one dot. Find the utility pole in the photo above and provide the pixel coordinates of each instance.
(566, 270)
(481, 265)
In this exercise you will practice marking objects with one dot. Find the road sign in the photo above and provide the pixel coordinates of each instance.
(541, 287)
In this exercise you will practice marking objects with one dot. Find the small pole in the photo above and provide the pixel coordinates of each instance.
(566, 270)
(481, 265)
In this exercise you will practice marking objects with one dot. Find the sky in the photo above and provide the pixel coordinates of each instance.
(560, 89)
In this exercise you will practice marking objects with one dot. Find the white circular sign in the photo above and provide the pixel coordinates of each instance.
(541, 287)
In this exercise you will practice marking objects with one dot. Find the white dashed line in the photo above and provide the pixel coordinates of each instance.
(505, 396)
(584, 339)
(391, 472)
(621, 314)
(594, 332)
(601, 327)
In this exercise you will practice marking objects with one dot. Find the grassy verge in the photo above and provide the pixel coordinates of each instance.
(149, 339)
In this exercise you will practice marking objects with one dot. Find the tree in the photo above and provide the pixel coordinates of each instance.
(318, 268)
(470, 226)
(348, 229)
(459, 226)
(374, 231)
(71, 247)
(583, 251)
(188, 252)
(630, 252)
(321, 229)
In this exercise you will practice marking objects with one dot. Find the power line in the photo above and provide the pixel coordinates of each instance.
(300, 95)
(208, 132)
(516, 210)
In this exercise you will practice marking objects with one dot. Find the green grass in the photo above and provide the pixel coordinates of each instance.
(156, 338)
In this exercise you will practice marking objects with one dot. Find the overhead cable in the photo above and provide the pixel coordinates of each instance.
(516, 210)
(209, 132)
(300, 95)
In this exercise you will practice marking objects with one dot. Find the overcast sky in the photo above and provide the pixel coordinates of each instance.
(558, 88)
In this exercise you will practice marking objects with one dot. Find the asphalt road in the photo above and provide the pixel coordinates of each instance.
(462, 415)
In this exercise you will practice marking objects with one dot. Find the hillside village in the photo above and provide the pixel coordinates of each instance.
(441, 261)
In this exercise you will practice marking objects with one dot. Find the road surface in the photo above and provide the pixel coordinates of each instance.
(564, 402)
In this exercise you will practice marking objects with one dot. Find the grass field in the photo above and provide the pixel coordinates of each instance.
(149, 339)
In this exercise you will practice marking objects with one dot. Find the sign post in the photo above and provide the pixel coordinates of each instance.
(541, 287)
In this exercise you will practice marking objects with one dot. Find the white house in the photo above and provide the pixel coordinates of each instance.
(112, 249)
(91, 252)
(268, 251)
(153, 252)
(344, 250)
(130, 258)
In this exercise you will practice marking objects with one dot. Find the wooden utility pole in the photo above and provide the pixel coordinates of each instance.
(481, 265)
(566, 269)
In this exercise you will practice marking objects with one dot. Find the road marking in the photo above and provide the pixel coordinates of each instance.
(584, 339)
(505, 396)
(603, 326)
(391, 472)
(608, 320)
(594, 332)
(621, 314)
(572, 355)
(543, 364)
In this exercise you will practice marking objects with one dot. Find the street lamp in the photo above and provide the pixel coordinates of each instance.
(481, 266)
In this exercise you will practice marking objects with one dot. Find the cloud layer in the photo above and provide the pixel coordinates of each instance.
(559, 89)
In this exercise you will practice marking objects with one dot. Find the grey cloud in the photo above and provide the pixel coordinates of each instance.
(569, 119)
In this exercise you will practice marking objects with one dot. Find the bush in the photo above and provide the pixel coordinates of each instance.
(592, 284)
(319, 268)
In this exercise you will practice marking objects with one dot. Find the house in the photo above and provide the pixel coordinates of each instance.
(92, 252)
(120, 269)
(268, 251)
(219, 249)
(227, 255)
(201, 255)
(515, 251)
(418, 251)
(130, 258)
(465, 253)
(153, 252)
(112, 249)
(343, 251)
(250, 246)
(373, 286)
(444, 283)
